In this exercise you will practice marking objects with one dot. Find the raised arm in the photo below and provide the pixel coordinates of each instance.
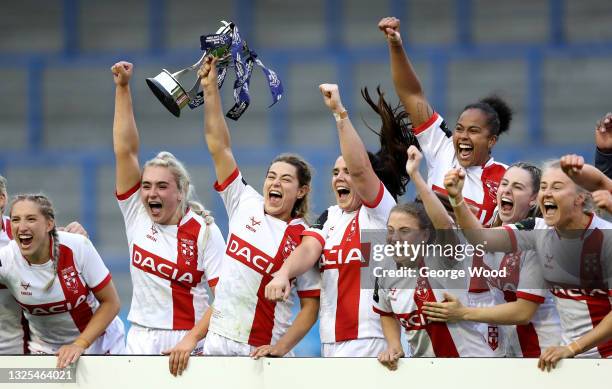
(125, 133)
(406, 82)
(355, 155)
(216, 131)
(434, 208)
(492, 239)
(583, 174)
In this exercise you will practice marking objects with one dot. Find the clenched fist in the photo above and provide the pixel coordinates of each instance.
(572, 164)
(603, 134)
(390, 26)
(453, 182)
(122, 72)
(414, 160)
(331, 97)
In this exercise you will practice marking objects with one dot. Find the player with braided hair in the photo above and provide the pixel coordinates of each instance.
(62, 284)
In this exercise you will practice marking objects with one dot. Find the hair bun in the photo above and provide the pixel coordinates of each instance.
(504, 112)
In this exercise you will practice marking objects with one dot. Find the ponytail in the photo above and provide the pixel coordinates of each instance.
(395, 135)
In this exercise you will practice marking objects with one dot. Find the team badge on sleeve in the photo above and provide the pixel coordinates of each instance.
(288, 248)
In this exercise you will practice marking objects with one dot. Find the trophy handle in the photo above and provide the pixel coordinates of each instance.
(226, 27)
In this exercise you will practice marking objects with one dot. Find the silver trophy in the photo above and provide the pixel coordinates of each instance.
(167, 86)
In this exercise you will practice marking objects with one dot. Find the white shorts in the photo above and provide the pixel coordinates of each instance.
(217, 345)
(152, 341)
(11, 328)
(110, 342)
(362, 348)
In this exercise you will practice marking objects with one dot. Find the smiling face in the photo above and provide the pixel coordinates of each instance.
(404, 227)
(558, 198)
(160, 195)
(281, 190)
(31, 230)
(515, 195)
(342, 185)
(472, 139)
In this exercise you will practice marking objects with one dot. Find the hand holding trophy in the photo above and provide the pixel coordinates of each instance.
(228, 50)
(207, 74)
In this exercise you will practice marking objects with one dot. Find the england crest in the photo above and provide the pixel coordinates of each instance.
(69, 276)
(288, 247)
(493, 338)
(492, 189)
(422, 289)
(188, 250)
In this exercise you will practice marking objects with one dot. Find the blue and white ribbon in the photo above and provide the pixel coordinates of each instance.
(243, 61)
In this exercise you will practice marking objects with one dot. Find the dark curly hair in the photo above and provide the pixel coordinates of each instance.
(499, 113)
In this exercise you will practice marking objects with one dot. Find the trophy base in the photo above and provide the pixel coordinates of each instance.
(164, 96)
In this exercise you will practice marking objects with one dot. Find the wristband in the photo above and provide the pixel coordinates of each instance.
(82, 343)
(452, 202)
(340, 116)
(575, 348)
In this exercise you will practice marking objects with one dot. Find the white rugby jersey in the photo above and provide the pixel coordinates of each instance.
(257, 246)
(345, 312)
(578, 272)
(57, 315)
(524, 279)
(169, 265)
(403, 299)
(13, 338)
(481, 182)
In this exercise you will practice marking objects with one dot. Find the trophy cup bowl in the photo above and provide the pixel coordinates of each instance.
(169, 92)
(167, 86)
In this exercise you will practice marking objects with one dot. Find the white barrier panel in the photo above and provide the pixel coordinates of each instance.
(137, 372)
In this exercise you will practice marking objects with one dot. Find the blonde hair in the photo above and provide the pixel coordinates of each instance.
(183, 183)
(46, 209)
(3, 191)
(589, 205)
(3, 185)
